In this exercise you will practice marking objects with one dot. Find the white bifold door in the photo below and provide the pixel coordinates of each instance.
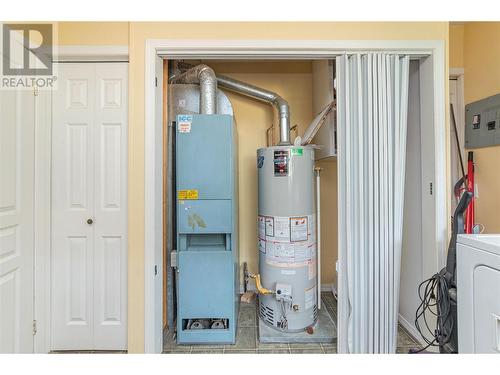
(89, 207)
(372, 122)
(17, 126)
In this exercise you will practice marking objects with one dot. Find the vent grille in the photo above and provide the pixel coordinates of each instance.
(315, 312)
(267, 314)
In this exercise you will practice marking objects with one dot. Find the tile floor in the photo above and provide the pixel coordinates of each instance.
(247, 337)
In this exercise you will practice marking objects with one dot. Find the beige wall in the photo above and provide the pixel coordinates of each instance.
(93, 33)
(456, 45)
(481, 48)
(138, 32)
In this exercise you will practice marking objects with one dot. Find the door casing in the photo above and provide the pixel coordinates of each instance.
(436, 83)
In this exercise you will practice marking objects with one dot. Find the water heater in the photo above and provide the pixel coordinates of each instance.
(287, 237)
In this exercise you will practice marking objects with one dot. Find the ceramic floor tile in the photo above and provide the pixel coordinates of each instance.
(179, 349)
(208, 347)
(307, 351)
(273, 351)
(402, 350)
(247, 318)
(329, 348)
(240, 351)
(245, 339)
(207, 351)
(405, 339)
(271, 346)
(302, 345)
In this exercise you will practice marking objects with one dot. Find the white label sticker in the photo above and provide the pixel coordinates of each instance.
(302, 252)
(288, 241)
(262, 227)
(184, 127)
(269, 226)
(309, 297)
(280, 252)
(262, 245)
(311, 270)
(282, 228)
(312, 228)
(298, 229)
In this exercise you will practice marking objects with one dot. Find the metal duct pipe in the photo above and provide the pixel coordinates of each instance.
(265, 96)
(205, 76)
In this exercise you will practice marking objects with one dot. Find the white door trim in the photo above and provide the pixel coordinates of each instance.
(92, 53)
(43, 174)
(277, 49)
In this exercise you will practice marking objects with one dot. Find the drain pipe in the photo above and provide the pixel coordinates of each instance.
(318, 231)
(265, 96)
(205, 76)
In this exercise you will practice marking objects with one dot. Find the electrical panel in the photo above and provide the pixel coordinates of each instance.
(482, 123)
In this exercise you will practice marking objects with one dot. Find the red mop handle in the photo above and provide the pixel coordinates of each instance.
(469, 213)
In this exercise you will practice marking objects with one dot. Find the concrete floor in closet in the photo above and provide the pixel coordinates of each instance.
(247, 337)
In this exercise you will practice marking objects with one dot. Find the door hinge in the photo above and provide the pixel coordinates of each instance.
(35, 90)
(156, 270)
(34, 327)
(156, 81)
(430, 188)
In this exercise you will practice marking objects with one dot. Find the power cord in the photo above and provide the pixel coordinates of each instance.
(435, 300)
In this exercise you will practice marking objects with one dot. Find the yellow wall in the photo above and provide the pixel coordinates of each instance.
(482, 79)
(93, 33)
(456, 45)
(139, 32)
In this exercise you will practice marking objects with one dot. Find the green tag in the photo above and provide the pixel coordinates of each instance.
(297, 151)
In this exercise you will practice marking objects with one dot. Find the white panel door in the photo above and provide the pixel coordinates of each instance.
(16, 220)
(89, 213)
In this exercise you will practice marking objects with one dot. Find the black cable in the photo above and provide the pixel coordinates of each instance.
(434, 300)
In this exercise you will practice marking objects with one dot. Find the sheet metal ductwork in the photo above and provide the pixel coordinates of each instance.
(265, 96)
(208, 86)
(205, 76)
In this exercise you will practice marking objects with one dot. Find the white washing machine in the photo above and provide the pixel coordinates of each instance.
(478, 293)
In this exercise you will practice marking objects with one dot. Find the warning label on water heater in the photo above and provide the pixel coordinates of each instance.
(287, 241)
(298, 229)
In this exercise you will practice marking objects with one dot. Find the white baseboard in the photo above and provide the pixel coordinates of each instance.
(410, 328)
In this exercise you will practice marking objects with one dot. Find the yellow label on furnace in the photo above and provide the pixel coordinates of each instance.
(187, 194)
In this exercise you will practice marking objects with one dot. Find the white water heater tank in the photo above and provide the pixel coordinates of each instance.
(287, 237)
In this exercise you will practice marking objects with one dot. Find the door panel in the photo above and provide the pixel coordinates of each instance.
(16, 220)
(110, 227)
(89, 288)
(72, 206)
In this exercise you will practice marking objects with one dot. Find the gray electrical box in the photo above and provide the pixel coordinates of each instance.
(482, 122)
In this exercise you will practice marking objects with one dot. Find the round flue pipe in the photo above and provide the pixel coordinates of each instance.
(205, 76)
(265, 96)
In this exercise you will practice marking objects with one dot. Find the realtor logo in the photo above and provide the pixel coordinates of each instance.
(27, 49)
